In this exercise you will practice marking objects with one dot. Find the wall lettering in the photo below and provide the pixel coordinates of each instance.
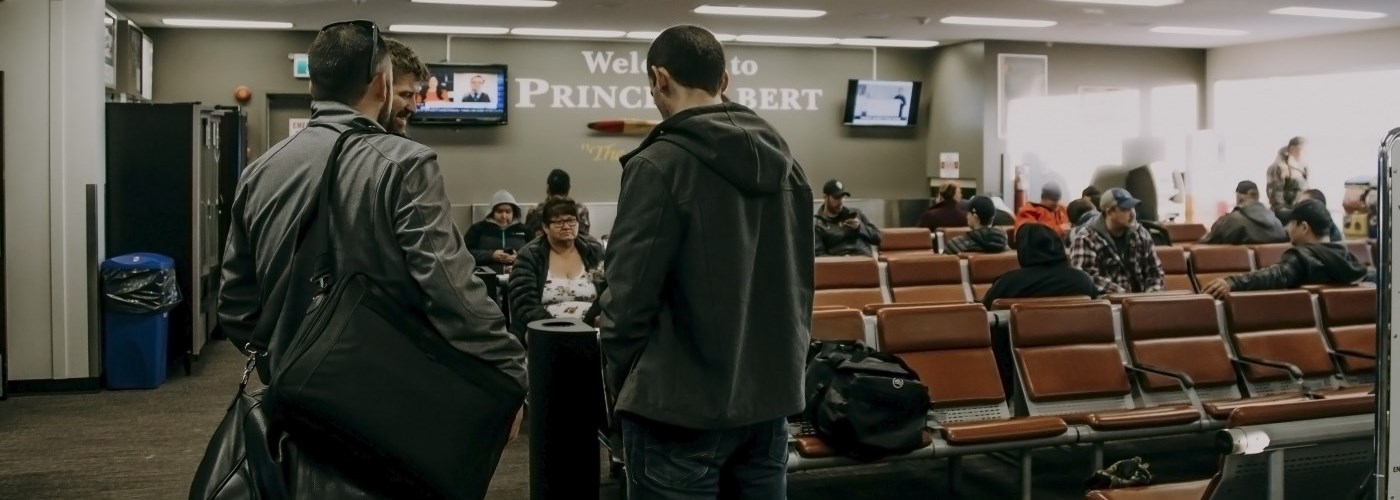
(536, 92)
(602, 152)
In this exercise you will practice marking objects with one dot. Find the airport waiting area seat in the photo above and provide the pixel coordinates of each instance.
(901, 241)
(1349, 324)
(838, 325)
(1212, 262)
(1278, 346)
(1185, 234)
(1270, 254)
(1177, 274)
(926, 278)
(851, 282)
(985, 268)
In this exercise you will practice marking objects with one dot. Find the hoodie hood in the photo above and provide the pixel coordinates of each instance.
(1037, 245)
(504, 196)
(731, 140)
(1330, 263)
(1260, 215)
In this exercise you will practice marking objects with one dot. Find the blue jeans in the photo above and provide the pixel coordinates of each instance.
(665, 462)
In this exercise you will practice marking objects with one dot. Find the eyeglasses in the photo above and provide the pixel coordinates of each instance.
(564, 223)
(374, 41)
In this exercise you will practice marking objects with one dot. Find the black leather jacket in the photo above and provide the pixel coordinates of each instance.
(527, 279)
(834, 238)
(1306, 264)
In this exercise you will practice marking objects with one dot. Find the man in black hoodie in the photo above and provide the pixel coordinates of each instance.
(1311, 261)
(1250, 223)
(704, 337)
(1044, 272)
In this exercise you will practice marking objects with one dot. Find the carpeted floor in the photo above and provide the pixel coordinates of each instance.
(146, 445)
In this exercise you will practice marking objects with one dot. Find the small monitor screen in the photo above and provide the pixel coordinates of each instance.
(882, 103)
(463, 94)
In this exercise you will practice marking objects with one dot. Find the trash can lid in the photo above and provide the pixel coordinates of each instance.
(139, 261)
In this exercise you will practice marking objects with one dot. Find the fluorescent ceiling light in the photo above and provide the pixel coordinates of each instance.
(651, 35)
(447, 30)
(1182, 30)
(888, 42)
(997, 21)
(1331, 13)
(1134, 3)
(792, 40)
(494, 3)
(721, 10)
(224, 23)
(569, 33)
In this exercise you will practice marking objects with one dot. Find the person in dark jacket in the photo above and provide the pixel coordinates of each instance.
(1044, 272)
(1249, 223)
(1311, 261)
(1079, 209)
(557, 185)
(945, 213)
(1316, 194)
(559, 275)
(842, 230)
(494, 241)
(705, 337)
(984, 237)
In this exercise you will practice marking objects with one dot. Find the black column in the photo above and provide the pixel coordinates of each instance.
(566, 398)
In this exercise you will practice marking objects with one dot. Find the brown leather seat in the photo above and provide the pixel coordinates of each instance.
(1211, 262)
(950, 347)
(847, 281)
(954, 232)
(1349, 319)
(874, 309)
(1194, 490)
(1180, 333)
(926, 278)
(1185, 233)
(1276, 326)
(983, 269)
(1118, 298)
(1178, 276)
(838, 325)
(811, 446)
(1006, 303)
(1067, 352)
(1361, 249)
(1288, 411)
(900, 241)
(1270, 254)
(828, 308)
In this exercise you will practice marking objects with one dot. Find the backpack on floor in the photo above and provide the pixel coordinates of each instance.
(863, 403)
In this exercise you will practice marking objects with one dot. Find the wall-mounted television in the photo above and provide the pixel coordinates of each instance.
(876, 103)
(462, 94)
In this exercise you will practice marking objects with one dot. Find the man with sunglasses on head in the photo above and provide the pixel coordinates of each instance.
(388, 189)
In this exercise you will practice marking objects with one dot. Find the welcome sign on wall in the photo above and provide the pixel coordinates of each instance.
(539, 92)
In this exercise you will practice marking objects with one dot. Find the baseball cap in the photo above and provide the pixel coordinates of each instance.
(1119, 197)
(1051, 191)
(835, 188)
(983, 207)
(1312, 212)
(1246, 186)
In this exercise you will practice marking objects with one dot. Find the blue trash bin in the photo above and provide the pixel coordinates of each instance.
(138, 292)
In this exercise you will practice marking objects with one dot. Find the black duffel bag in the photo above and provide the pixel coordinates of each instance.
(863, 403)
(372, 384)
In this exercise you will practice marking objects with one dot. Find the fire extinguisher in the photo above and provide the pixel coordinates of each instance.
(1018, 196)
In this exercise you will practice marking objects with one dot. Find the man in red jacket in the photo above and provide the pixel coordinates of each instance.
(1048, 212)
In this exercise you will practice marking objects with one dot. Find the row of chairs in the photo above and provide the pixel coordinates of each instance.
(1089, 372)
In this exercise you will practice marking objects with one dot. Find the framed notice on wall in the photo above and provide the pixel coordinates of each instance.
(109, 58)
(1019, 76)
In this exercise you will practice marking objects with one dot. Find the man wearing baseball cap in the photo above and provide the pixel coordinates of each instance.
(1115, 250)
(842, 230)
(1249, 223)
(984, 237)
(1312, 260)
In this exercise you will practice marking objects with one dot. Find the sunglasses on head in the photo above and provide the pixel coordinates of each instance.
(374, 41)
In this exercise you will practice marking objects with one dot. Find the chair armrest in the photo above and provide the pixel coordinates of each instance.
(1183, 380)
(1294, 373)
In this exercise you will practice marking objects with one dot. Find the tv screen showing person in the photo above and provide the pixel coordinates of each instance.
(457, 91)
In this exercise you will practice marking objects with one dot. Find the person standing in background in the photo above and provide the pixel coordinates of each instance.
(703, 337)
(1288, 176)
(945, 213)
(557, 185)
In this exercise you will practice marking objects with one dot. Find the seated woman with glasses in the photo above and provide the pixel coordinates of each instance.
(559, 275)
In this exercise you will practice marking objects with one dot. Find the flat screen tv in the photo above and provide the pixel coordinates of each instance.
(876, 103)
(462, 94)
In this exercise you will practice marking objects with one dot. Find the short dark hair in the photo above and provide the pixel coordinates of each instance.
(949, 191)
(558, 206)
(557, 183)
(406, 62)
(1316, 194)
(692, 56)
(338, 62)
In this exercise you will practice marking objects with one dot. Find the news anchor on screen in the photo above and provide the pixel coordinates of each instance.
(476, 95)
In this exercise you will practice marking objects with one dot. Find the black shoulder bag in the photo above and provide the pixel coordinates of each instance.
(371, 380)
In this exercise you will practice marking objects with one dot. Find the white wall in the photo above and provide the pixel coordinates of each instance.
(51, 52)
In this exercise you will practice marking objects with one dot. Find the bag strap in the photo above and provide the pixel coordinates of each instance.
(323, 263)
